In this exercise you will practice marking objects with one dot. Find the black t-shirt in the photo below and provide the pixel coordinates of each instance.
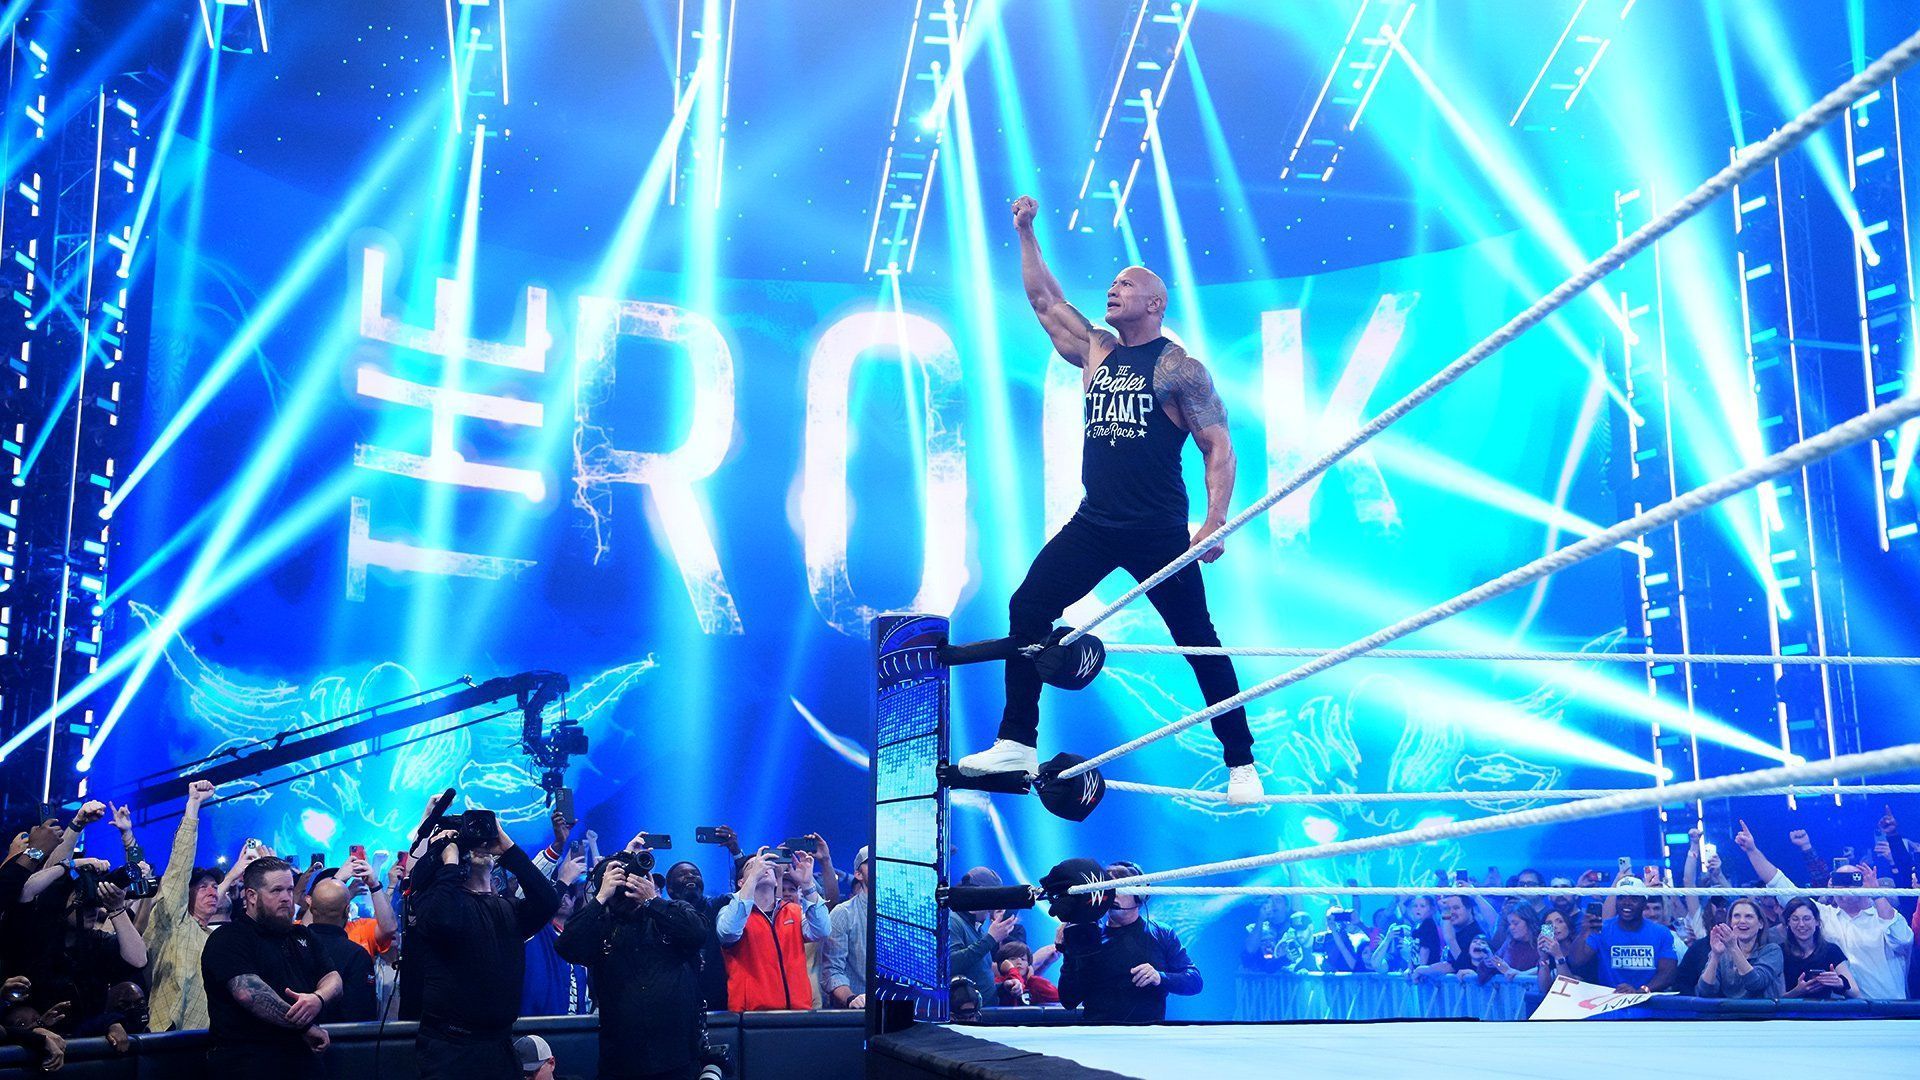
(358, 1000)
(1461, 956)
(1825, 956)
(93, 964)
(1686, 975)
(1433, 947)
(282, 959)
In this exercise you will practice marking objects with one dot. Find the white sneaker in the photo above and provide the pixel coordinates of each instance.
(1243, 785)
(1004, 756)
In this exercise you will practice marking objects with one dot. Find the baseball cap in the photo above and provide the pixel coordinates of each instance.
(533, 1052)
(861, 856)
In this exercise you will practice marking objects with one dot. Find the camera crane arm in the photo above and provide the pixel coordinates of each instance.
(531, 690)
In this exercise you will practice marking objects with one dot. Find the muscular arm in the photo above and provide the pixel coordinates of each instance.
(254, 995)
(1187, 383)
(1074, 336)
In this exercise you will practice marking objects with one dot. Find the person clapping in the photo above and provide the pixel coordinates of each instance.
(1742, 964)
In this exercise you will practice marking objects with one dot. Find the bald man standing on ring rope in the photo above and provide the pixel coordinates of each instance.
(1144, 396)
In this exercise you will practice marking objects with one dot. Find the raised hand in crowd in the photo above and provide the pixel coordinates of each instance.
(571, 868)
(1743, 839)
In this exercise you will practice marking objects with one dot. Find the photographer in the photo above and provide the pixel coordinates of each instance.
(267, 983)
(1123, 972)
(469, 945)
(39, 919)
(99, 947)
(643, 951)
(765, 940)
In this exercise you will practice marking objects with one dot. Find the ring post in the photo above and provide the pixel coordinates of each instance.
(907, 965)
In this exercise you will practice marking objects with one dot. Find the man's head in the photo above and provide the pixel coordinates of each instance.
(1631, 910)
(267, 891)
(862, 869)
(536, 1057)
(1127, 910)
(1847, 898)
(1136, 301)
(1455, 909)
(1713, 910)
(328, 902)
(1529, 879)
(762, 873)
(1656, 910)
(203, 893)
(684, 882)
(985, 877)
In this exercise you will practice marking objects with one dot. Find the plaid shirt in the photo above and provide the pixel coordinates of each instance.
(178, 998)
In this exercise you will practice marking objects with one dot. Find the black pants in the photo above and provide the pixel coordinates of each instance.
(1068, 568)
(473, 1057)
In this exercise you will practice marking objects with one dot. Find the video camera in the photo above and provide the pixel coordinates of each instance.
(138, 886)
(473, 830)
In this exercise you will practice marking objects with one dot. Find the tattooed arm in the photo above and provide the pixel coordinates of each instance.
(1186, 383)
(1074, 336)
(253, 994)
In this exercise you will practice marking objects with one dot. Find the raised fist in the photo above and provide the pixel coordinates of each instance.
(1024, 208)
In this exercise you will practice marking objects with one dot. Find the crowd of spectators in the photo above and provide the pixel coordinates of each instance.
(1849, 943)
(465, 932)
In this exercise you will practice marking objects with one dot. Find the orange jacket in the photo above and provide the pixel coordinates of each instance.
(767, 967)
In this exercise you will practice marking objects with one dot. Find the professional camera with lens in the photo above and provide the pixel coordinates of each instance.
(636, 862)
(472, 830)
(138, 886)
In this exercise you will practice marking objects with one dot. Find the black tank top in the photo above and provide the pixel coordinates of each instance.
(1130, 461)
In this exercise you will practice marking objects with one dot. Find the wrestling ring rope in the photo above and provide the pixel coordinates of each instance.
(1799, 777)
(1516, 795)
(1872, 762)
(1744, 165)
(1525, 656)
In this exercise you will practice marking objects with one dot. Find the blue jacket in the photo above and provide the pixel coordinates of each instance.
(552, 986)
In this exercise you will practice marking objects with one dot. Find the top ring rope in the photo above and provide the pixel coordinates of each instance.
(1870, 763)
(1859, 429)
(1743, 166)
(1516, 891)
(1294, 798)
(1524, 656)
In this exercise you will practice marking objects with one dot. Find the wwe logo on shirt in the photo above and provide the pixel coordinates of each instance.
(1632, 958)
